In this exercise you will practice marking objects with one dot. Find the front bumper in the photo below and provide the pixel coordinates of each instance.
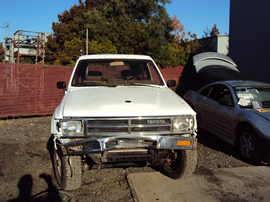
(90, 146)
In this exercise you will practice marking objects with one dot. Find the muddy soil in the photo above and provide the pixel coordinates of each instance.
(26, 171)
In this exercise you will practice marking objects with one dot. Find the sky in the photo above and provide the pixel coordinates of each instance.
(38, 15)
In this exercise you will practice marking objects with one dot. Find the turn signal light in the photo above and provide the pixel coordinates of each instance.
(183, 143)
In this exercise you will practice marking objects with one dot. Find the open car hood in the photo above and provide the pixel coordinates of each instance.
(213, 66)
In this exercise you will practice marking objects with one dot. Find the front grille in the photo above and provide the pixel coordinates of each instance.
(127, 126)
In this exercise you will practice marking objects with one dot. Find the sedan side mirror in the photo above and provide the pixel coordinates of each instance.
(171, 83)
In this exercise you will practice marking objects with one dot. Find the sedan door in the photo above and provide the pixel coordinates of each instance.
(217, 111)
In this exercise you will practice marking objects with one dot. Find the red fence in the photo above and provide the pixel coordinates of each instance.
(172, 73)
(30, 89)
(27, 90)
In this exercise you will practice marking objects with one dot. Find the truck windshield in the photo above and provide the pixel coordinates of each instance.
(112, 72)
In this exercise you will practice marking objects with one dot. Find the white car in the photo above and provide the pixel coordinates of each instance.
(118, 111)
(237, 111)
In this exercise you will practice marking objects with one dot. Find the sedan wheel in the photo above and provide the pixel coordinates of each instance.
(248, 146)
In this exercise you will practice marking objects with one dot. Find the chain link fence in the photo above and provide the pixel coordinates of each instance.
(28, 90)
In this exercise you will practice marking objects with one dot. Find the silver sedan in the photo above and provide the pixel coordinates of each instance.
(238, 112)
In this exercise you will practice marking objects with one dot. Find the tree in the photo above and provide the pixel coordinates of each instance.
(214, 31)
(207, 43)
(173, 54)
(211, 33)
(65, 31)
(194, 44)
(178, 29)
(104, 47)
(206, 32)
(2, 53)
(130, 26)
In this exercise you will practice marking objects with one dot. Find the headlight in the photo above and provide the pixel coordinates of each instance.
(72, 127)
(182, 124)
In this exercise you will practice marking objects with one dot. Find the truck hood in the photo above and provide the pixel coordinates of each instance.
(121, 101)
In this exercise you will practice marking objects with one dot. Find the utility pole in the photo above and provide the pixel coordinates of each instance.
(9, 30)
(86, 42)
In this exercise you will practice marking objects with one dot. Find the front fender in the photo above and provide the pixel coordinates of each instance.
(259, 123)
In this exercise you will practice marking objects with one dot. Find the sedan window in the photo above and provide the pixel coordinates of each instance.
(217, 92)
(221, 93)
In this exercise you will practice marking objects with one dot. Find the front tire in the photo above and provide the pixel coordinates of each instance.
(68, 170)
(248, 145)
(179, 163)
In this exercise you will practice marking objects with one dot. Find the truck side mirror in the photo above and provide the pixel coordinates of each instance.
(171, 83)
(61, 85)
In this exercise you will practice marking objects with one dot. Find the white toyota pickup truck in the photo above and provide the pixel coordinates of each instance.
(118, 111)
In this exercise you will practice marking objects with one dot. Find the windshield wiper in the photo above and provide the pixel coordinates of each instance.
(88, 84)
(145, 84)
(94, 84)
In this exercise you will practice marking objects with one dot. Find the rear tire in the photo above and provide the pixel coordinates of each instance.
(68, 170)
(179, 163)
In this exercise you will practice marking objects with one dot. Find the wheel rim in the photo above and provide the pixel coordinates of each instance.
(247, 145)
(171, 160)
(58, 163)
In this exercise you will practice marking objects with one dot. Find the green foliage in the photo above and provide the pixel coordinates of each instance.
(99, 48)
(122, 26)
(115, 26)
(173, 54)
(27, 60)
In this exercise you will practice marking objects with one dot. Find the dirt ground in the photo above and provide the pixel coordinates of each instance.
(26, 171)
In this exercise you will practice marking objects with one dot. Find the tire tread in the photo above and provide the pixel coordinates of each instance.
(72, 174)
(185, 165)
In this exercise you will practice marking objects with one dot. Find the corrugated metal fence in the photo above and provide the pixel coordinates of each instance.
(29, 90)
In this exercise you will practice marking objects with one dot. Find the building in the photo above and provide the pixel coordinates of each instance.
(219, 44)
(250, 38)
